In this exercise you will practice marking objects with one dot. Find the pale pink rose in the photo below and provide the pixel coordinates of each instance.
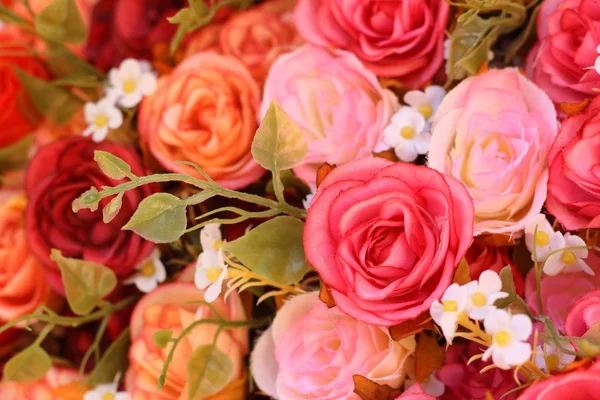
(576, 385)
(170, 307)
(339, 105)
(583, 314)
(311, 352)
(47, 388)
(415, 392)
(403, 39)
(493, 132)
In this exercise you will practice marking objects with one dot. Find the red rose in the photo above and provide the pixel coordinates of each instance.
(387, 237)
(17, 117)
(58, 174)
(574, 166)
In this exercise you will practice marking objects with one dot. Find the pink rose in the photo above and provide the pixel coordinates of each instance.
(493, 132)
(338, 103)
(386, 237)
(574, 160)
(403, 39)
(583, 314)
(568, 36)
(577, 385)
(312, 352)
(415, 392)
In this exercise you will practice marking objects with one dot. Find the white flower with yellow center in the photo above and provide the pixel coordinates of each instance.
(131, 81)
(509, 334)
(308, 200)
(149, 273)
(101, 117)
(211, 270)
(107, 391)
(570, 259)
(406, 134)
(426, 102)
(482, 294)
(447, 312)
(538, 231)
(211, 238)
(550, 358)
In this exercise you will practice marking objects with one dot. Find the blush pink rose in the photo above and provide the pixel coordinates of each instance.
(576, 385)
(339, 105)
(568, 34)
(312, 352)
(574, 165)
(403, 39)
(583, 314)
(493, 133)
(387, 237)
(415, 392)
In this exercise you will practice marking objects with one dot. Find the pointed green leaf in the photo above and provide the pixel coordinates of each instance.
(113, 361)
(112, 166)
(183, 16)
(60, 22)
(88, 199)
(28, 365)
(16, 155)
(112, 209)
(162, 337)
(508, 286)
(86, 283)
(209, 370)
(160, 218)
(63, 63)
(200, 8)
(273, 249)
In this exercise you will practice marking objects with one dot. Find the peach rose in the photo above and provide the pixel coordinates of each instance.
(204, 112)
(50, 387)
(339, 105)
(493, 132)
(169, 307)
(312, 352)
(22, 288)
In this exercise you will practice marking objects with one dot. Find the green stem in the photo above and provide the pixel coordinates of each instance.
(95, 345)
(43, 334)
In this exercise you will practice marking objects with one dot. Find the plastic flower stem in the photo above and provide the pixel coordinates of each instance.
(538, 274)
(43, 334)
(465, 322)
(95, 345)
(525, 307)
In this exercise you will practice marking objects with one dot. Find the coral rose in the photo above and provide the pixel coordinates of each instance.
(311, 352)
(576, 385)
(53, 386)
(568, 36)
(404, 39)
(21, 288)
(170, 307)
(493, 132)
(415, 392)
(574, 182)
(338, 104)
(57, 175)
(583, 314)
(205, 112)
(17, 116)
(386, 238)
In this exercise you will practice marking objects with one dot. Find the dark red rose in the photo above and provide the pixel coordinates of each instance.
(58, 174)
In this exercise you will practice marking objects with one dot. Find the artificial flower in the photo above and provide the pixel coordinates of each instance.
(149, 273)
(571, 259)
(40, 389)
(107, 391)
(583, 314)
(447, 312)
(326, 338)
(415, 392)
(509, 333)
(131, 81)
(392, 39)
(577, 385)
(338, 104)
(406, 134)
(101, 117)
(211, 238)
(386, 237)
(426, 102)
(549, 358)
(539, 233)
(493, 132)
(482, 294)
(433, 386)
(211, 270)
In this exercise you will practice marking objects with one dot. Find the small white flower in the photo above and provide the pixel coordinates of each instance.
(482, 294)
(427, 102)
(211, 238)
(433, 386)
(569, 260)
(597, 63)
(406, 134)
(550, 358)
(149, 273)
(107, 391)
(509, 334)
(446, 312)
(307, 200)
(131, 81)
(101, 117)
(211, 270)
(543, 237)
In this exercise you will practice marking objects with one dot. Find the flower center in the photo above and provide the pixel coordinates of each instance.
(478, 299)
(541, 238)
(450, 306)
(426, 110)
(108, 396)
(148, 269)
(101, 121)
(129, 86)
(502, 338)
(552, 362)
(212, 274)
(407, 132)
(217, 244)
(568, 257)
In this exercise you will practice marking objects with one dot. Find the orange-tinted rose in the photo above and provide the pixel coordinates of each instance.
(58, 384)
(204, 112)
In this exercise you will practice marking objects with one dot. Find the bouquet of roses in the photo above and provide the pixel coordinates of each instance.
(299, 199)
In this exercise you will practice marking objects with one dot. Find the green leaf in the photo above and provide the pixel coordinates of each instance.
(53, 102)
(85, 82)
(112, 166)
(16, 155)
(63, 63)
(209, 370)
(162, 337)
(112, 209)
(288, 179)
(28, 365)
(200, 8)
(160, 218)
(60, 22)
(274, 250)
(88, 199)
(508, 286)
(183, 16)
(86, 283)
(278, 143)
(113, 361)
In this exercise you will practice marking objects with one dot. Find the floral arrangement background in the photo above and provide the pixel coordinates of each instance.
(299, 199)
